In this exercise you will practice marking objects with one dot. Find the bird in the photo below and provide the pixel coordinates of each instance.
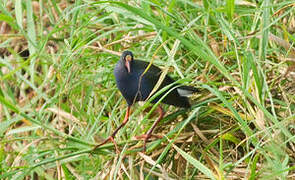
(136, 79)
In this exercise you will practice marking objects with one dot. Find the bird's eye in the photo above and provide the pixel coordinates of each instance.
(128, 58)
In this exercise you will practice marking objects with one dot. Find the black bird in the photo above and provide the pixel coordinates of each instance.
(136, 81)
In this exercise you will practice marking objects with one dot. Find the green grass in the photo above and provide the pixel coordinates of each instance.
(61, 101)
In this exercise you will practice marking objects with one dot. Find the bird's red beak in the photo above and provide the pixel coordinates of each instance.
(127, 62)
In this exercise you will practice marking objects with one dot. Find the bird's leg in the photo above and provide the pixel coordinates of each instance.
(111, 137)
(149, 133)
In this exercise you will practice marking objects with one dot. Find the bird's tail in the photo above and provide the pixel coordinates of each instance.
(187, 90)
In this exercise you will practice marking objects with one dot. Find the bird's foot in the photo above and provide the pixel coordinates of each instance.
(110, 138)
(146, 137)
(115, 144)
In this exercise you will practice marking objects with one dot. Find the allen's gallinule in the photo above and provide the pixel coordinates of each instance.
(136, 81)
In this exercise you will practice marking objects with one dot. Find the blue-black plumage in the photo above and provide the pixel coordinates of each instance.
(136, 86)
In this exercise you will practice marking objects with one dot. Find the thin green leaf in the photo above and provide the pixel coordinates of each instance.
(197, 164)
(18, 13)
(31, 31)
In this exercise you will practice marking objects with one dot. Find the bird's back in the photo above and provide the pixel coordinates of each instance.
(138, 84)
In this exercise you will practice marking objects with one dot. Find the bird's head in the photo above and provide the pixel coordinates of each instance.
(127, 58)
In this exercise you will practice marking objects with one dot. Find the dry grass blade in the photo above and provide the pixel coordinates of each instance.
(62, 114)
(138, 37)
(153, 163)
